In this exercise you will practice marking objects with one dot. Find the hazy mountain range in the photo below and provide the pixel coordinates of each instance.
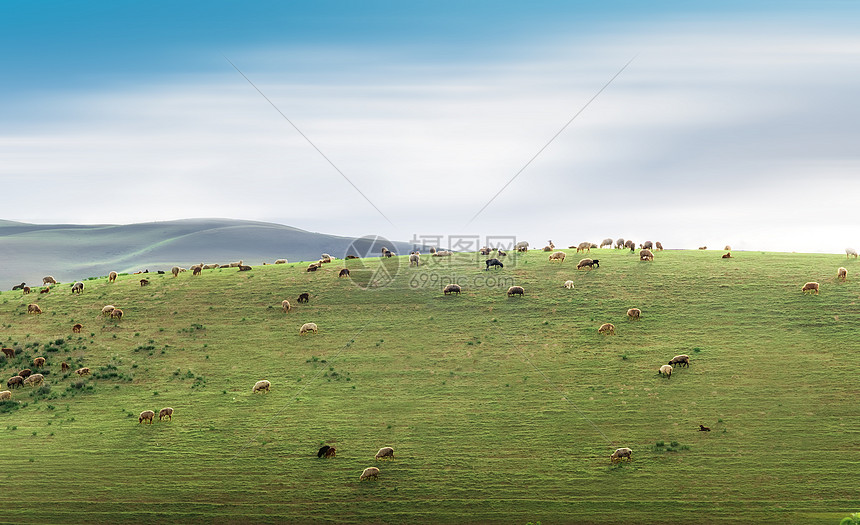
(70, 252)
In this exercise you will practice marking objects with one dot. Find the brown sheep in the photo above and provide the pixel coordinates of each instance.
(8, 352)
(584, 247)
(557, 256)
(26, 290)
(452, 288)
(369, 472)
(727, 255)
(45, 290)
(165, 413)
(606, 328)
(703, 428)
(680, 360)
(78, 287)
(646, 255)
(35, 379)
(303, 297)
(146, 415)
(352, 257)
(285, 305)
(620, 454)
(545, 248)
(85, 371)
(586, 262)
(6, 395)
(630, 245)
(244, 268)
(728, 248)
(15, 382)
(175, 271)
(144, 282)
(343, 273)
(308, 327)
(281, 261)
(25, 373)
(659, 246)
(76, 329)
(810, 287)
(64, 366)
(634, 313)
(619, 243)
(842, 273)
(330, 453)
(312, 267)
(261, 385)
(196, 270)
(116, 313)
(48, 280)
(19, 286)
(648, 245)
(516, 290)
(666, 371)
(385, 452)
(39, 362)
(112, 277)
(33, 309)
(703, 247)
(606, 242)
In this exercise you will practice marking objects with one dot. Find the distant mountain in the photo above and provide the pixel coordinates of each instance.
(71, 252)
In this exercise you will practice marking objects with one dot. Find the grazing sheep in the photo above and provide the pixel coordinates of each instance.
(108, 309)
(606, 328)
(389, 253)
(33, 309)
(648, 245)
(25, 373)
(369, 472)
(8, 352)
(327, 452)
(385, 452)
(165, 413)
(285, 305)
(39, 362)
(452, 288)
(484, 251)
(48, 280)
(727, 255)
(583, 247)
(6, 395)
(146, 415)
(842, 273)
(35, 379)
(620, 454)
(15, 382)
(849, 252)
(630, 245)
(728, 248)
(112, 277)
(260, 386)
(344, 272)
(619, 243)
(85, 371)
(19, 286)
(312, 267)
(810, 287)
(494, 263)
(308, 327)
(196, 270)
(634, 313)
(588, 262)
(144, 282)
(116, 313)
(175, 271)
(516, 290)
(414, 258)
(680, 360)
(703, 247)
(303, 297)
(557, 256)
(522, 246)
(659, 246)
(666, 371)
(244, 268)
(281, 261)
(568, 285)
(78, 287)
(64, 366)
(606, 242)
(76, 329)
(646, 255)
(26, 290)
(45, 290)
(703, 428)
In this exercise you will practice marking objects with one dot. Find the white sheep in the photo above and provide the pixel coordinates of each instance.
(261, 385)
(281, 261)
(620, 454)
(108, 309)
(308, 327)
(414, 258)
(369, 472)
(849, 252)
(385, 452)
(842, 273)
(6, 395)
(568, 285)
(557, 256)
(285, 304)
(666, 371)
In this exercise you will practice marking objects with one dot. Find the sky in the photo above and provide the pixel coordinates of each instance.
(733, 122)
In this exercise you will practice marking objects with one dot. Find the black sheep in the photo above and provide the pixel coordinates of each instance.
(494, 262)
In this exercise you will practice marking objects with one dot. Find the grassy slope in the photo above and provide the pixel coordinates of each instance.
(451, 384)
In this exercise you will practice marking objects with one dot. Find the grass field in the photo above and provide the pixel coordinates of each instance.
(499, 409)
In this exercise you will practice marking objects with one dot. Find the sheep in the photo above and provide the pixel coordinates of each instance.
(522, 246)
(484, 251)
(303, 297)
(312, 267)
(494, 263)
(659, 246)
(261, 385)
(45, 290)
(285, 305)
(281, 261)
(606, 242)
(727, 255)
(591, 263)
(112, 277)
(666, 371)
(6, 395)
(78, 287)
(116, 314)
(146, 415)
(680, 360)
(703, 428)
(175, 271)
(557, 256)
(385, 452)
(107, 309)
(352, 257)
(165, 413)
(161, 272)
(703, 247)
(849, 252)
(308, 327)
(76, 329)
(344, 272)
(551, 245)
(547, 249)
(646, 255)
(443, 253)
(144, 282)
(15, 381)
(414, 258)
(606, 328)
(630, 245)
(19, 286)
(452, 288)
(502, 253)
(196, 270)
(244, 268)
(369, 472)
(584, 247)
(329, 452)
(64, 366)
(26, 290)
(39, 362)
(35, 379)
(842, 273)
(516, 290)
(634, 314)
(323, 450)
(648, 245)
(810, 287)
(568, 285)
(728, 248)
(25, 373)
(85, 371)
(8, 352)
(236, 264)
(48, 280)
(619, 243)
(620, 454)
(33, 309)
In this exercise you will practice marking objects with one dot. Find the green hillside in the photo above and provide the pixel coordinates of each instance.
(501, 410)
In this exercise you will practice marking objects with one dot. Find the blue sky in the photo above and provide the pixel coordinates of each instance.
(731, 115)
